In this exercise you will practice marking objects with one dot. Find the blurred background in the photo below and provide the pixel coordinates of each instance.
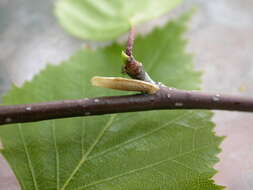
(220, 36)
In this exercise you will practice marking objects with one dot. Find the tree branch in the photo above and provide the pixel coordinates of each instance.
(130, 42)
(165, 98)
(132, 67)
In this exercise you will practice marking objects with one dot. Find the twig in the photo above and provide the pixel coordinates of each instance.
(130, 42)
(132, 67)
(165, 98)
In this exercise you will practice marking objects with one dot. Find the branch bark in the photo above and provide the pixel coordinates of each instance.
(165, 98)
(132, 67)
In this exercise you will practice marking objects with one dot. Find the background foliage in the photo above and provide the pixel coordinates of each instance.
(106, 20)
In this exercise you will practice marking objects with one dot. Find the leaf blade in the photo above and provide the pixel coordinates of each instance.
(144, 150)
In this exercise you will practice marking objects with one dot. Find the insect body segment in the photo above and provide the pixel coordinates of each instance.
(119, 83)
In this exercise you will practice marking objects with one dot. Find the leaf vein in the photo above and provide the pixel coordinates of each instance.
(139, 137)
(28, 157)
(57, 159)
(139, 169)
(185, 166)
(91, 148)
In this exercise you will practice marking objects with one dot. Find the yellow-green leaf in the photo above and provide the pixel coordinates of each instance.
(108, 19)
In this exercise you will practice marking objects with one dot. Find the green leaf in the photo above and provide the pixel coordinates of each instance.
(173, 149)
(106, 20)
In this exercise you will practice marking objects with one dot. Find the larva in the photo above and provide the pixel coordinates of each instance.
(119, 83)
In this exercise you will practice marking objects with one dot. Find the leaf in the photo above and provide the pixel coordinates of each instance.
(106, 20)
(144, 150)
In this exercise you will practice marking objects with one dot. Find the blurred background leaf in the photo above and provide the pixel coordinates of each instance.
(107, 20)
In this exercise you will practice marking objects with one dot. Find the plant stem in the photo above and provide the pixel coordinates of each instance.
(130, 42)
(132, 67)
(165, 98)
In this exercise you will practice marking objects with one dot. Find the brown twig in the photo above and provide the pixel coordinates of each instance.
(132, 67)
(130, 42)
(165, 98)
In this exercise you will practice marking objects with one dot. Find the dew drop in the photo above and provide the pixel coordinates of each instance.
(179, 104)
